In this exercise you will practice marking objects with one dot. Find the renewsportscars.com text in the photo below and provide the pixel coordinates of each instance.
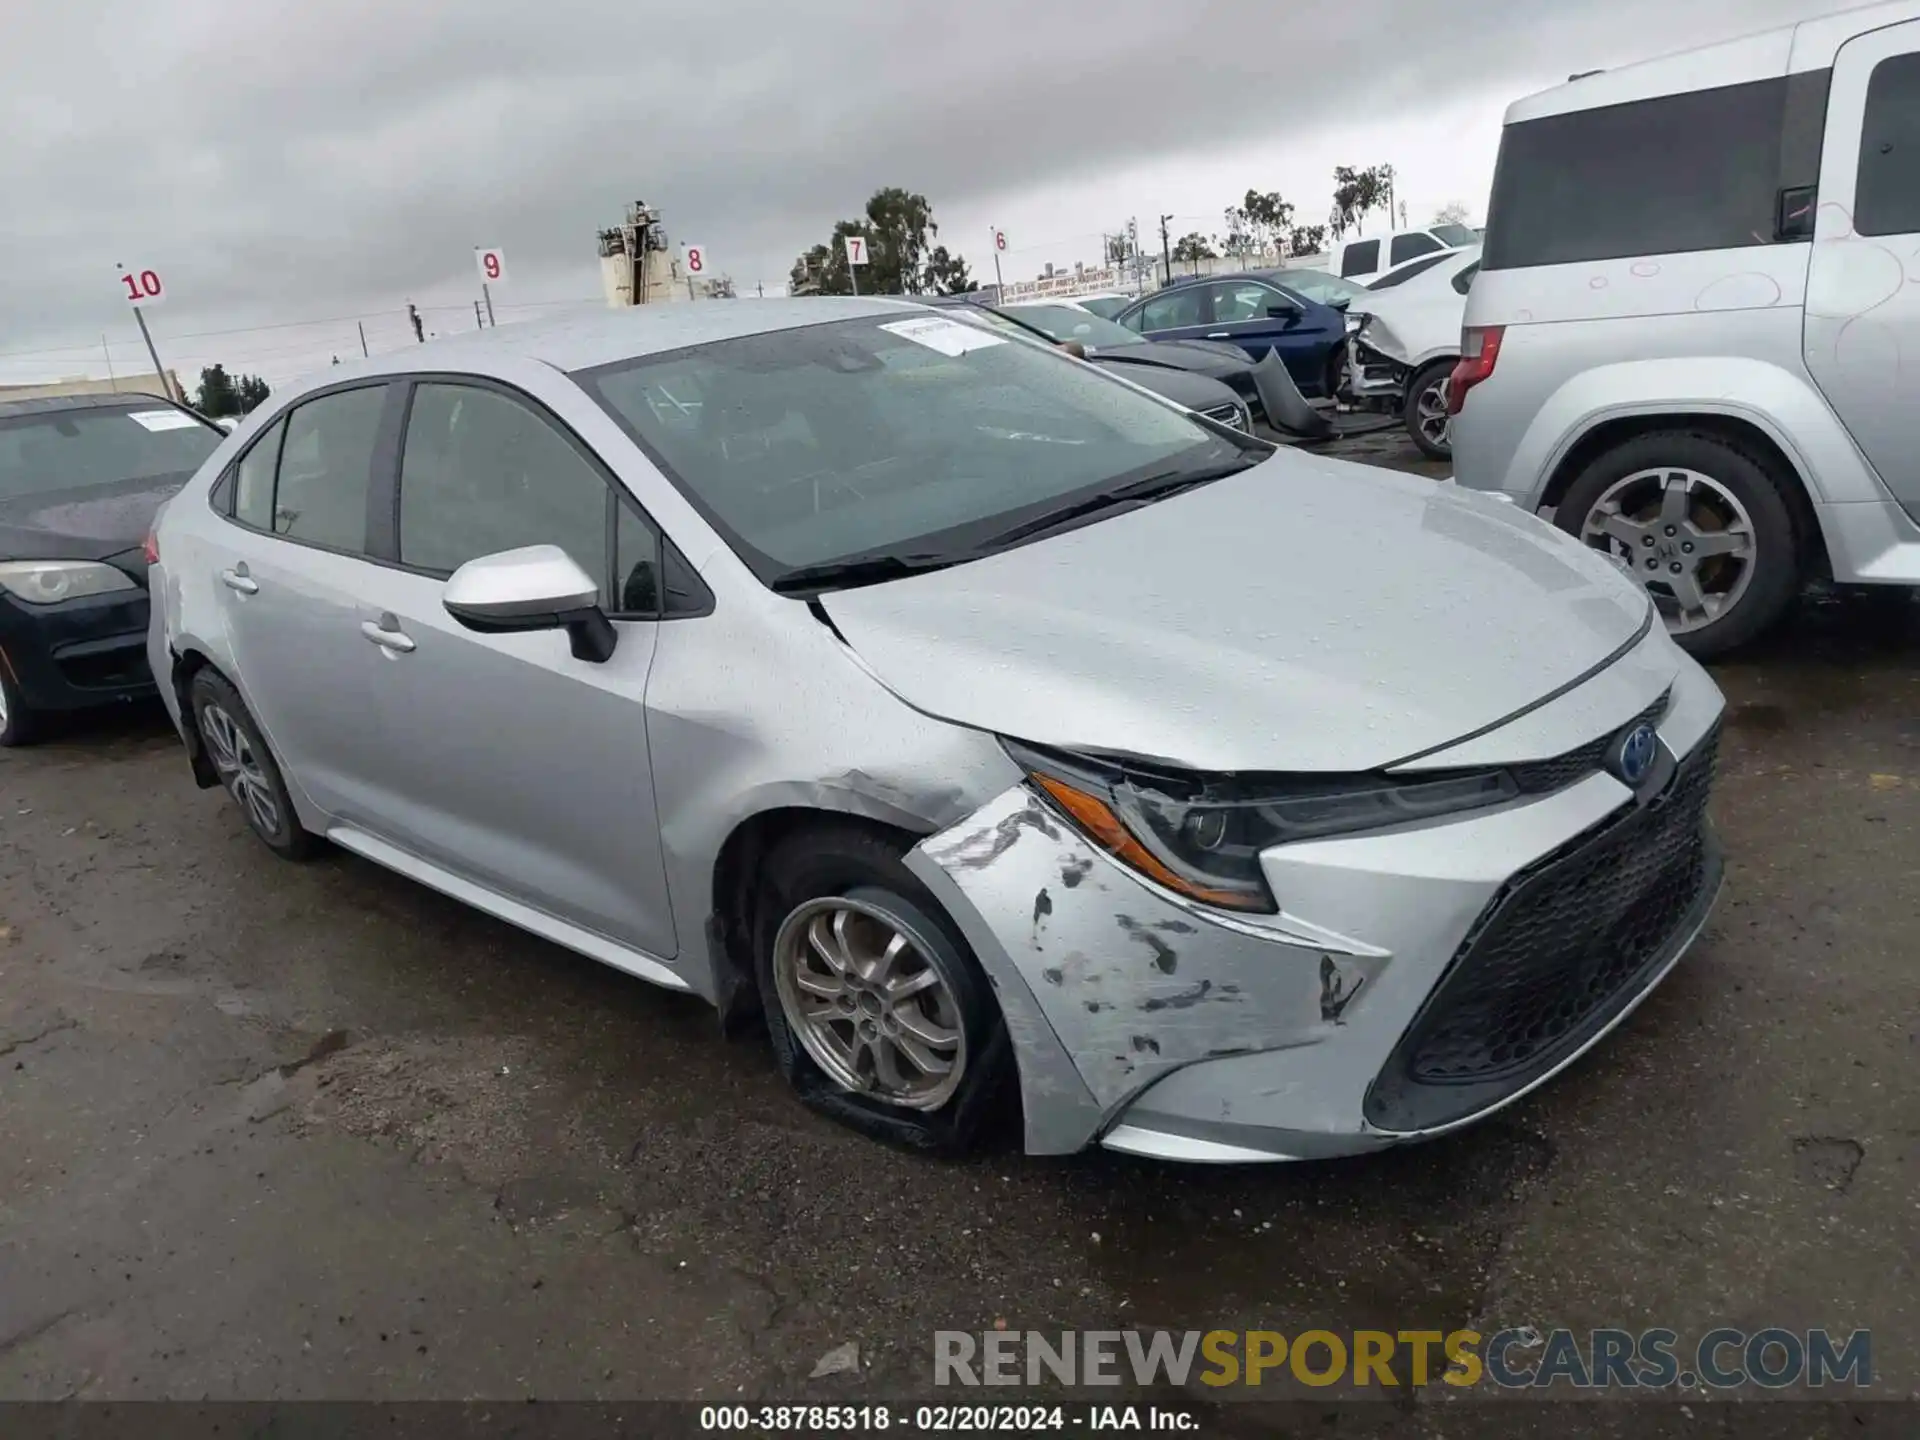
(1609, 1359)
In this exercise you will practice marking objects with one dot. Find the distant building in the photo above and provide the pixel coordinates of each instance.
(85, 385)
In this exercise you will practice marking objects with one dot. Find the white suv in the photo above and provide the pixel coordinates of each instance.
(1688, 334)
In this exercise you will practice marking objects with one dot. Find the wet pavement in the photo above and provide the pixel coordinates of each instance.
(313, 1131)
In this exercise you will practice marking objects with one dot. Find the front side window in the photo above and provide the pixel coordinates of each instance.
(1361, 258)
(326, 465)
(82, 449)
(1408, 246)
(1886, 197)
(1238, 301)
(481, 472)
(907, 438)
(1174, 310)
(1677, 173)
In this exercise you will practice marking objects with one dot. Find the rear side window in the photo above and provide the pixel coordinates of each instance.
(1171, 312)
(1361, 258)
(1886, 198)
(1696, 171)
(1405, 247)
(326, 462)
(1407, 272)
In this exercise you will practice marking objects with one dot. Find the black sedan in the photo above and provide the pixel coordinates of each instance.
(81, 478)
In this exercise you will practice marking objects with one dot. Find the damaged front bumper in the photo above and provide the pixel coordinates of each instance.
(1370, 1011)
(1377, 367)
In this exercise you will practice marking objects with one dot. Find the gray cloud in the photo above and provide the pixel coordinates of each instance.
(282, 160)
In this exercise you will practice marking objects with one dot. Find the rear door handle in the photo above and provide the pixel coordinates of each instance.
(240, 580)
(1218, 335)
(387, 634)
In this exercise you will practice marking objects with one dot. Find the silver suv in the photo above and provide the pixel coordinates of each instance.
(1688, 333)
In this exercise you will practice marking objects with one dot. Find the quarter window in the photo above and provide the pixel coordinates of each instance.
(1463, 282)
(326, 462)
(1235, 303)
(1678, 173)
(253, 479)
(481, 473)
(1886, 199)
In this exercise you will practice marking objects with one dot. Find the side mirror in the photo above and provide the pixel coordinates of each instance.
(1074, 348)
(1283, 310)
(538, 587)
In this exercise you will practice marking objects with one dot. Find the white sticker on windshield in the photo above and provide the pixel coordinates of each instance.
(163, 419)
(949, 337)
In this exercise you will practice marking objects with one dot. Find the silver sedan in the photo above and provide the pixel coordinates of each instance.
(1001, 736)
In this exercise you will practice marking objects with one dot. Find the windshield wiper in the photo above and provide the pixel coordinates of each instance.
(1128, 497)
(860, 570)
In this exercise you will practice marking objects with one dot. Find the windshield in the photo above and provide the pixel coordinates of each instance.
(1105, 306)
(1456, 235)
(81, 449)
(911, 438)
(1317, 285)
(1063, 322)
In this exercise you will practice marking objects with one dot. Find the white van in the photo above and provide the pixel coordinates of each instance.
(1696, 303)
(1364, 257)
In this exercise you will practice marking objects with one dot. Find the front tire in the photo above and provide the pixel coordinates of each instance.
(246, 766)
(1704, 528)
(879, 1015)
(1425, 411)
(19, 723)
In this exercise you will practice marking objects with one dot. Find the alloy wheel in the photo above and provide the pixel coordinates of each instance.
(870, 1002)
(1430, 415)
(239, 768)
(1683, 535)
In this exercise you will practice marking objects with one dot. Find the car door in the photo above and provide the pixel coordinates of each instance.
(290, 564)
(506, 761)
(1302, 333)
(1180, 313)
(1862, 312)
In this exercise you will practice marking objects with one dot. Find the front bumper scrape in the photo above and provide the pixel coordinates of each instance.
(1108, 983)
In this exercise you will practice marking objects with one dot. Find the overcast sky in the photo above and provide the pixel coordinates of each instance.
(282, 161)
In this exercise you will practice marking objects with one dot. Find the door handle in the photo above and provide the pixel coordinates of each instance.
(387, 634)
(1218, 335)
(240, 580)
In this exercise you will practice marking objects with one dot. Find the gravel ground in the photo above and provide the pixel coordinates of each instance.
(291, 1132)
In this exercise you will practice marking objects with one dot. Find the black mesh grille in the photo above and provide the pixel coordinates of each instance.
(1542, 777)
(1563, 947)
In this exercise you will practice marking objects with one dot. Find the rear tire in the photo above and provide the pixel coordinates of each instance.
(246, 766)
(19, 723)
(1728, 499)
(1418, 412)
(840, 892)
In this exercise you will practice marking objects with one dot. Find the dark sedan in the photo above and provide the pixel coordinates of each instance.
(1259, 314)
(81, 478)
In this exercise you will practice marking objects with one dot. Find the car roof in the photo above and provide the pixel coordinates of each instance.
(47, 404)
(1808, 45)
(609, 336)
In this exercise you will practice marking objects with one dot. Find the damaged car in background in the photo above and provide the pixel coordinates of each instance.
(989, 730)
(1404, 340)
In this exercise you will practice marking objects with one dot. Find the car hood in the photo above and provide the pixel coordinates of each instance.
(99, 522)
(1183, 387)
(1307, 614)
(1203, 357)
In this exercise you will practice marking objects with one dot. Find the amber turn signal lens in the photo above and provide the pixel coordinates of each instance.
(1110, 833)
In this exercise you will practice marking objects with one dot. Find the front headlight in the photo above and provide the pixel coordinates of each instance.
(47, 582)
(1201, 836)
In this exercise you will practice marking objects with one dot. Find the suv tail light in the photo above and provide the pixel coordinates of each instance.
(150, 547)
(1479, 351)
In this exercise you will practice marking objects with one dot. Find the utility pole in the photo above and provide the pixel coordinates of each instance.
(363, 338)
(108, 355)
(413, 318)
(760, 289)
(1166, 252)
